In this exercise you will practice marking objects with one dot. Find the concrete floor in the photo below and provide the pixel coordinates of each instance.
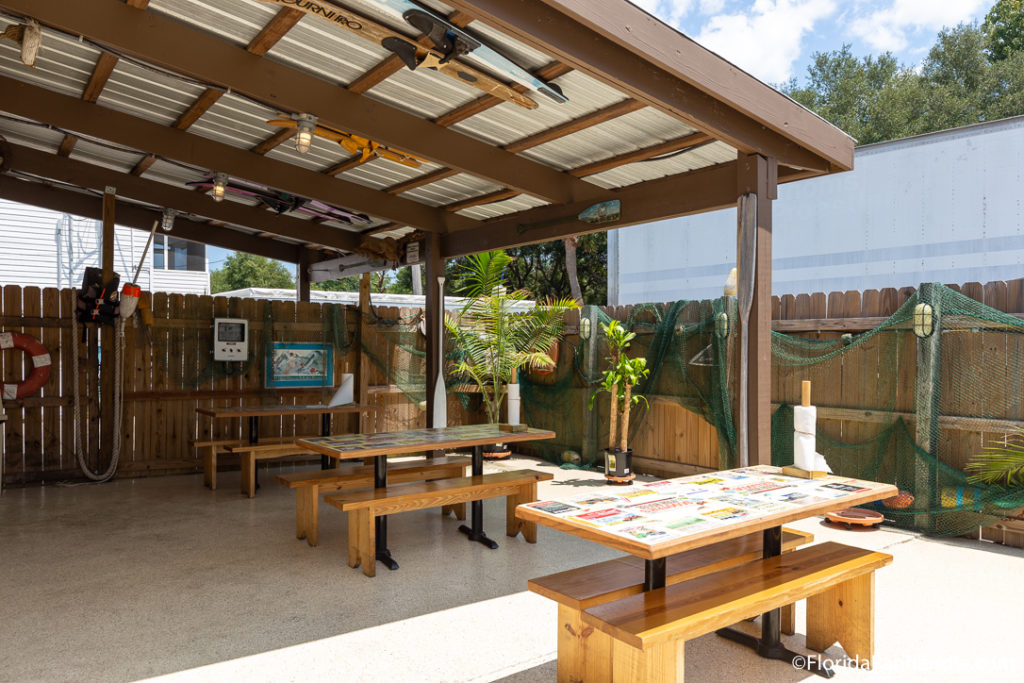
(163, 578)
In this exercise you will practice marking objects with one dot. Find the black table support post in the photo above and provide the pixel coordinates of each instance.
(476, 531)
(325, 430)
(380, 481)
(654, 574)
(254, 437)
(770, 645)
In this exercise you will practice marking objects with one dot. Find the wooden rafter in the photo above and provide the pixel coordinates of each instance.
(97, 81)
(670, 146)
(273, 141)
(137, 4)
(489, 198)
(167, 43)
(134, 216)
(86, 175)
(485, 102)
(274, 31)
(70, 113)
(555, 132)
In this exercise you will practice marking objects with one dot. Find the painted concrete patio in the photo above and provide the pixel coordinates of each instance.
(163, 578)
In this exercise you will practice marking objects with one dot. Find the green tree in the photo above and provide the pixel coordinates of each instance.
(243, 270)
(345, 284)
(1004, 29)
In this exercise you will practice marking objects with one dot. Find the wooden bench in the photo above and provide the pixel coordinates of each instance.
(211, 448)
(585, 654)
(249, 453)
(520, 486)
(309, 485)
(648, 630)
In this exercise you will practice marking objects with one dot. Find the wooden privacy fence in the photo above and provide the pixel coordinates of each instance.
(167, 372)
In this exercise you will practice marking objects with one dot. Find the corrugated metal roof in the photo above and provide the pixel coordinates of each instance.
(147, 94)
(338, 56)
(237, 21)
(63, 64)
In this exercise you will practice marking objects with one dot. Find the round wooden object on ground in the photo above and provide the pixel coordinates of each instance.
(851, 516)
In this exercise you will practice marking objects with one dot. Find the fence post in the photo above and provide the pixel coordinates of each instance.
(590, 448)
(926, 404)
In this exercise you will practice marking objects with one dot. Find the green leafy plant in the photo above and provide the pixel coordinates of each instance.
(622, 375)
(493, 332)
(1000, 465)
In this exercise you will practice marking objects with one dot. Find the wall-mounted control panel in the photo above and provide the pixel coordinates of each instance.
(230, 339)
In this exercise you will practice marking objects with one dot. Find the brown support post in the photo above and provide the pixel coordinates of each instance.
(433, 312)
(108, 334)
(302, 277)
(363, 374)
(757, 180)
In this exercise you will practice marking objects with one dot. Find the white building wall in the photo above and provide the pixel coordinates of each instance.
(945, 207)
(40, 249)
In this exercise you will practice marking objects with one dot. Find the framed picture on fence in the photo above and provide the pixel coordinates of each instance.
(298, 364)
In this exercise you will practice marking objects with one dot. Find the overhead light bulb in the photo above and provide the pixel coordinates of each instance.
(306, 124)
(167, 222)
(220, 186)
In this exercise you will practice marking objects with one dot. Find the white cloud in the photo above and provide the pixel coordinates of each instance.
(669, 11)
(765, 40)
(889, 28)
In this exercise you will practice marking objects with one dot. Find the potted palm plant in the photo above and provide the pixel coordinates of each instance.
(496, 334)
(622, 374)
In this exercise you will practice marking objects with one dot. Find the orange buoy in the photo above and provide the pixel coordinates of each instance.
(40, 365)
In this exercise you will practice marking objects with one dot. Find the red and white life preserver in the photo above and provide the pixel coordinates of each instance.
(40, 364)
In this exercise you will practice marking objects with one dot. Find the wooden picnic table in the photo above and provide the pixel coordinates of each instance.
(656, 520)
(383, 444)
(255, 412)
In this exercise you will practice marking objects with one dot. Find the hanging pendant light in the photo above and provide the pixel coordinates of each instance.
(220, 186)
(167, 222)
(306, 124)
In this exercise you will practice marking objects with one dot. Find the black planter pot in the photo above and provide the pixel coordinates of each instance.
(618, 465)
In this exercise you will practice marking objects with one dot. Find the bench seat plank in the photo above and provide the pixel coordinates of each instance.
(211, 448)
(704, 604)
(585, 654)
(309, 485)
(364, 506)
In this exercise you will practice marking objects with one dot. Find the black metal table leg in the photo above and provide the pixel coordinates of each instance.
(654, 574)
(325, 430)
(254, 437)
(476, 531)
(769, 645)
(380, 481)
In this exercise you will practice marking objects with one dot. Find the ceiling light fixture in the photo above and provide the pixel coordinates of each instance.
(167, 222)
(305, 125)
(220, 186)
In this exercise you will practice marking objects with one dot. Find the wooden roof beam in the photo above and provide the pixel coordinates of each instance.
(485, 102)
(160, 40)
(706, 189)
(69, 113)
(134, 216)
(622, 46)
(594, 118)
(85, 175)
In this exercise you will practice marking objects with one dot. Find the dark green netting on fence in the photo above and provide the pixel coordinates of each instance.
(867, 387)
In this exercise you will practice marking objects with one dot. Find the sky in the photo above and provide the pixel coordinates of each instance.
(774, 40)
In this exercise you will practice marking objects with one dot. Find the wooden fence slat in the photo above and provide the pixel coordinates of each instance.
(32, 416)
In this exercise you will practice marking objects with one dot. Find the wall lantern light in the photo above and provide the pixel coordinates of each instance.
(584, 328)
(722, 325)
(924, 320)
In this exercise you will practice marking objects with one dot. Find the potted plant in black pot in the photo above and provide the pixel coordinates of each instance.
(497, 331)
(618, 380)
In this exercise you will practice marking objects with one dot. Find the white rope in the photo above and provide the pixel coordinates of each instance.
(117, 398)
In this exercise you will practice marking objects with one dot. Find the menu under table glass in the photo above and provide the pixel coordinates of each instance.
(379, 446)
(662, 518)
